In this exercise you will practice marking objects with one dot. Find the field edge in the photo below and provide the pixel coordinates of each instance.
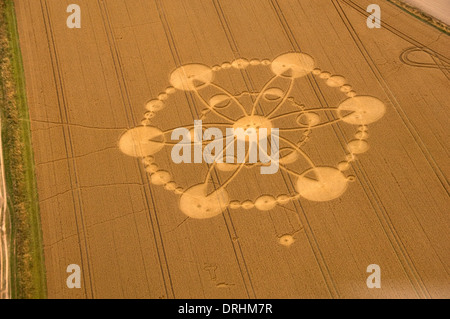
(28, 279)
(419, 14)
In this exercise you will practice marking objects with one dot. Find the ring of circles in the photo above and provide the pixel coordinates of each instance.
(317, 183)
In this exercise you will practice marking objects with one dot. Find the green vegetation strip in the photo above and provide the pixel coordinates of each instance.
(26, 250)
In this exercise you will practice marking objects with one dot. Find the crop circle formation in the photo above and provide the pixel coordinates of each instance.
(316, 183)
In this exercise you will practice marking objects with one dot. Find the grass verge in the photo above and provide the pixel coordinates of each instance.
(26, 250)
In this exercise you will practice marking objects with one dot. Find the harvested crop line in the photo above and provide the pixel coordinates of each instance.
(26, 252)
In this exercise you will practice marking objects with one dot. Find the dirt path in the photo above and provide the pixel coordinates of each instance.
(4, 251)
(120, 208)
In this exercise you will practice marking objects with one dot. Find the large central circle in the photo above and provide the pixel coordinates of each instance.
(251, 125)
